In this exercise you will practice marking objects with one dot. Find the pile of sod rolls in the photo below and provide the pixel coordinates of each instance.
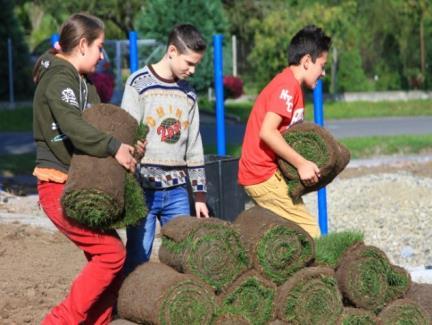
(263, 269)
(316, 144)
(100, 193)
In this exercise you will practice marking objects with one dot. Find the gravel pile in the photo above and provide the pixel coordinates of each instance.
(393, 210)
(392, 207)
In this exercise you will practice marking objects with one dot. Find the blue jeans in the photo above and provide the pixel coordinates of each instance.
(164, 205)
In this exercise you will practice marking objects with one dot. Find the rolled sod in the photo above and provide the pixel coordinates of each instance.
(250, 296)
(278, 247)
(357, 316)
(421, 293)
(122, 322)
(154, 293)
(96, 189)
(368, 280)
(404, 312)
(330, 248)
(316, 144)
(310, 296)
(135, 208)
(231, 319)
(208, 248)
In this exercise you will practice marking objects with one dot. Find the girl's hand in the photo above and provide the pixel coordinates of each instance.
(124, 157)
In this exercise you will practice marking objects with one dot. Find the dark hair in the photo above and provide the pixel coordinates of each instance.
(310, 40)
(187, 36)
(79, 26)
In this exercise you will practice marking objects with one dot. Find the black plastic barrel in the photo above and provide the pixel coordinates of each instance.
(225, 197)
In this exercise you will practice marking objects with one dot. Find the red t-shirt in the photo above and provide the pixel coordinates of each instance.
(283, 96)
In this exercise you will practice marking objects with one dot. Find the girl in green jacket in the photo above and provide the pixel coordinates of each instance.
(62, 94)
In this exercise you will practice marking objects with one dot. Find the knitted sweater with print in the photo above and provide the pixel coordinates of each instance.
(174, 149)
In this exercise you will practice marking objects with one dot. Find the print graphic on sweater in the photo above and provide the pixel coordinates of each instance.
(68, 96)
(169, 128)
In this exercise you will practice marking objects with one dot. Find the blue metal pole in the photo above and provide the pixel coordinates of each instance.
(11, 74)
(54, 39)
(322, 195)
(219, 92)
(133, 51)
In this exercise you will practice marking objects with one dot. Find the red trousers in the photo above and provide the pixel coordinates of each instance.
(94, 291)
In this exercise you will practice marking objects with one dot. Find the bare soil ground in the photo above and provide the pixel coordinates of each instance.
(37, 266)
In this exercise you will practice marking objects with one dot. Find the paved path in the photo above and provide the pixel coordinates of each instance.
(380, 126)
(339, 128)
(22, 142)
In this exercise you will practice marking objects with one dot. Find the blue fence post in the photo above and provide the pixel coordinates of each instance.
(322, 195)
(54, 39)
(133, 51)
(11, 74)
(219, 93)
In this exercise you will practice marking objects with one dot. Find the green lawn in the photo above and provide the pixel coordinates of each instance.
(19, 119)
(343, 110)
(359, 148)
(17, 164)
(368, 146)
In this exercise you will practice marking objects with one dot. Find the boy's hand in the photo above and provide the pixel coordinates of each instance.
(309, 173)
(124, 157)
(140, 149)
(200, 205)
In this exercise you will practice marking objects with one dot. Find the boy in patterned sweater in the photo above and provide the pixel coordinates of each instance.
(159, 96)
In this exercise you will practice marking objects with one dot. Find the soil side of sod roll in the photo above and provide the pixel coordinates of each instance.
(310, 296)
(211, 249)
(122, 322)
(278, 247)
(154, 293)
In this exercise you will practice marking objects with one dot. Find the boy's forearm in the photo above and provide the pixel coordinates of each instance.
(276, 142)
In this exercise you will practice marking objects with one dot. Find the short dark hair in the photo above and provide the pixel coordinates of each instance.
(310, 40)
(187, 36)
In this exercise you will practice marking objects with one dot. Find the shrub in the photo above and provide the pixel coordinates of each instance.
(233, 87)
(104, 83)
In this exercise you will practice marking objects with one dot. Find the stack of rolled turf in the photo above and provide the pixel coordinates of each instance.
(315, 144)
(263, 269)
(99, 193)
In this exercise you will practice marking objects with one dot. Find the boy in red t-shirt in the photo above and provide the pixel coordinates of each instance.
(279, 105)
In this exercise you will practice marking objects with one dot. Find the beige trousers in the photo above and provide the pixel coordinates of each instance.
(273, 195)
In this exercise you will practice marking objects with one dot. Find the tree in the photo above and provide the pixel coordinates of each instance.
(160, 16)
(115, 13)
(10, 28)
(269, 54)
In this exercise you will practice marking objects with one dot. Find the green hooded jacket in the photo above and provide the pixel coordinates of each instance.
(59, 130)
